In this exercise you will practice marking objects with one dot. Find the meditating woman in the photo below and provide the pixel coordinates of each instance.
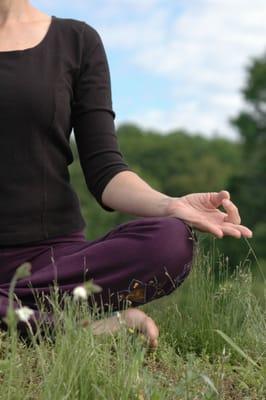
(54, 77)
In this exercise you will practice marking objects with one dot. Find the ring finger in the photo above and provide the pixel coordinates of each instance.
(229, 231)
(243, 230)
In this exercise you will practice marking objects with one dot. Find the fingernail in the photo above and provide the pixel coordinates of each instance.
(248, 234)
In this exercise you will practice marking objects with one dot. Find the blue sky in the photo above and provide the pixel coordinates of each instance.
(174, 64)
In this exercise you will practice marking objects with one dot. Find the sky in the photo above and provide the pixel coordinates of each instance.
(174, 64)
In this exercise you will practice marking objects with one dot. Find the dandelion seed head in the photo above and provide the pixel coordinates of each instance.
(24, 313)
(80, 293)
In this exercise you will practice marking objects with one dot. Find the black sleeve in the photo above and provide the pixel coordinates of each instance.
(93, 118)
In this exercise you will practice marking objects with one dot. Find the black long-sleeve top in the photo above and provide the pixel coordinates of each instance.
(45, 91)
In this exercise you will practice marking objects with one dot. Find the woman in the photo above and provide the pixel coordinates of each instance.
(54, 76)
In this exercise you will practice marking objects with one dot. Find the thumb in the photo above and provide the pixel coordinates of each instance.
(218, 197)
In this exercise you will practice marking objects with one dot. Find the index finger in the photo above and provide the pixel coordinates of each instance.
(232, 212)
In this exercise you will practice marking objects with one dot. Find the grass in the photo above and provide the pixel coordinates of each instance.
(212, 346)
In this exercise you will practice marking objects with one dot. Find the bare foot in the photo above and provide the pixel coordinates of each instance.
(133, 318)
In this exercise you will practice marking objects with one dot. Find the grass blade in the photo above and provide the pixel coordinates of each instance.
(237, 348)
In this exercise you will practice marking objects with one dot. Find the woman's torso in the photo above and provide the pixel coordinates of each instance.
(37, 200)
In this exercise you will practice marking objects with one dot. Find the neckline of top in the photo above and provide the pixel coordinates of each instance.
(37, 46)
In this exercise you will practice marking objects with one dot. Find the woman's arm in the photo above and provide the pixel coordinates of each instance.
(128, 193)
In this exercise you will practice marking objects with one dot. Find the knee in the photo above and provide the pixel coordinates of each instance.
(173, 244)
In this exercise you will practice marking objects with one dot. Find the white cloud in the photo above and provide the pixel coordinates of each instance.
(203, 51)
(207, 119)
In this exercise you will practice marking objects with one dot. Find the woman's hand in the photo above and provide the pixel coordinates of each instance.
(200, 211)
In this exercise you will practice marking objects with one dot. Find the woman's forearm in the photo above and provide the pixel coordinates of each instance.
(128, 193)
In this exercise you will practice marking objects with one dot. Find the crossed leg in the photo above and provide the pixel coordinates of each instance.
(136, 262)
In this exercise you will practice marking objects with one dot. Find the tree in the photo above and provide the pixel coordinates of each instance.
(248, 187)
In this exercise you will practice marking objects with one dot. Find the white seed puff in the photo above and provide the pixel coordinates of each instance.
(80, 293)
(24, 313)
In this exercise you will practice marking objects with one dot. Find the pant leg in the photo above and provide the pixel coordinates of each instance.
(137, 261)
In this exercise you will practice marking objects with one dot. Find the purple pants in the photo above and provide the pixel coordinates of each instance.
(137, 261)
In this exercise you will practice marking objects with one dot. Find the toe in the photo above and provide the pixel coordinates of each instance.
(151, 331)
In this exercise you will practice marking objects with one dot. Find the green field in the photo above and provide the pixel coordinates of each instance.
(212, 345)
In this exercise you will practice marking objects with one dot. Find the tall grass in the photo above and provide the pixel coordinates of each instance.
(212, 346)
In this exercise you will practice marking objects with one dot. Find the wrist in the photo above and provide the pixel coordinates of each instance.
(173, 206)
